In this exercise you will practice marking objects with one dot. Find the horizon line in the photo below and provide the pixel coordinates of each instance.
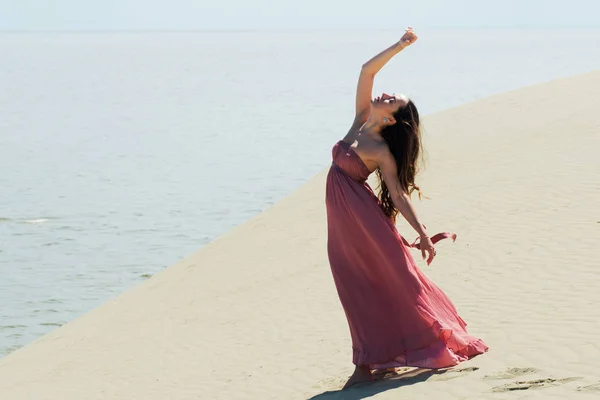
(290, 29)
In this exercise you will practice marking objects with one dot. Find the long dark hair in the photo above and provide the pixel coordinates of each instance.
(404, 141)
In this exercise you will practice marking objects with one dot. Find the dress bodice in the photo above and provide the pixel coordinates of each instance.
(346, 159)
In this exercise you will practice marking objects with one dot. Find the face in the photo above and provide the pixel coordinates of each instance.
(388, 104)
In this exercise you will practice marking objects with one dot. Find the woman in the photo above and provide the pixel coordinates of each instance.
(397, 316)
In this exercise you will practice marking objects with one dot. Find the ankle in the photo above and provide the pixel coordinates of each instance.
(363, 368)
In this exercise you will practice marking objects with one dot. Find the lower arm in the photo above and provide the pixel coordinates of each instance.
(376, 63)
(405, 207)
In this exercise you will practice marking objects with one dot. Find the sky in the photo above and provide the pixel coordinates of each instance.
(67, 15)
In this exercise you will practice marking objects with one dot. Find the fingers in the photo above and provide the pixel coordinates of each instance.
(409, 36)
(431, 256)
(431, 253)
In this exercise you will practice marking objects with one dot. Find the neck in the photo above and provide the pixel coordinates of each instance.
(371, 127)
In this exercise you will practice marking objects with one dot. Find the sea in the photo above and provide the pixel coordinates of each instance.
(124, 152)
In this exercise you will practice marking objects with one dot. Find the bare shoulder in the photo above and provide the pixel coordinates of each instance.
(381, 154)
(374, 153)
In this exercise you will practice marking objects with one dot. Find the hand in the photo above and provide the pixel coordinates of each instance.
(408, 38)
(427, 247)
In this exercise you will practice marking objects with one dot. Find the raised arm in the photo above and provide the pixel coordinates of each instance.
(389, 174)
(371, 68)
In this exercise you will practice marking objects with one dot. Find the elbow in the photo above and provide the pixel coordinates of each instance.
(402, 197)
(367, 70)
(403, 200)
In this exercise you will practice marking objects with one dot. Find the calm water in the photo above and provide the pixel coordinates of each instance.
(122, 153)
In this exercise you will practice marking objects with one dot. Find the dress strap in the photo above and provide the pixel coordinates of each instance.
(434, 239)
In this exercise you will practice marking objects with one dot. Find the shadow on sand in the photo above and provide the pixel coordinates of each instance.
(387, 382)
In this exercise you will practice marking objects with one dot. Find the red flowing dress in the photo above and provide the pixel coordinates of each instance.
(397, 316)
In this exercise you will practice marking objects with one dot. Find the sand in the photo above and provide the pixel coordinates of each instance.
(255, 314)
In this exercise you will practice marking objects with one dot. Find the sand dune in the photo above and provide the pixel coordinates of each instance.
(255, 314)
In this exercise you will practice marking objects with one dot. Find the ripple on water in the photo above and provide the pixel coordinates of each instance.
(36, 221)
(50, 324)
(3, 327)
(28, 220)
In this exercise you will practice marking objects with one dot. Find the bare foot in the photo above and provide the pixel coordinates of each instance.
(360, 375)
(379, 374)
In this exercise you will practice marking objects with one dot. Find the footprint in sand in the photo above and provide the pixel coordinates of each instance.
(511, 373)
(331, 382)
(452, 373)
(589, 388)
(534, 384)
